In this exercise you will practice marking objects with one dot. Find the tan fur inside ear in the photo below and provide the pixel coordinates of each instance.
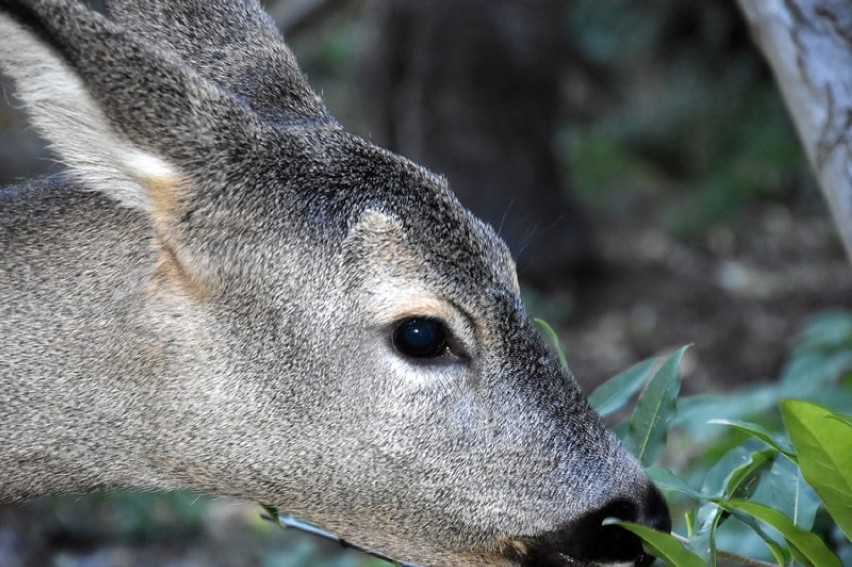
(172, 274)
(166, 193)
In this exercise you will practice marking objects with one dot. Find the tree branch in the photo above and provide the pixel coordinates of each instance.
(808, 44)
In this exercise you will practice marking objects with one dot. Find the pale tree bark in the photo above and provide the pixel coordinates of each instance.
(808, 44)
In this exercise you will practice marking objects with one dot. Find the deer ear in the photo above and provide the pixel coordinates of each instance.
(240, 49)
(128, 118)
(77, 128)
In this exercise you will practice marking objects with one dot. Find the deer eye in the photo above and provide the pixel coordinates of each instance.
(420, 338)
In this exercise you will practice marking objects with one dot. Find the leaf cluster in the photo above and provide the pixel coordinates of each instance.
(771, 480)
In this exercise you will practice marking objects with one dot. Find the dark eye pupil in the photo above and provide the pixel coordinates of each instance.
(420, 338)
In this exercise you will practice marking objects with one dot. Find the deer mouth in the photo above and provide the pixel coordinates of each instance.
(562, 560)
(623, 549)
(541, 559)
(588, 542)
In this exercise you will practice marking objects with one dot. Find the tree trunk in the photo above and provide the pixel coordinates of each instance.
(470, 88)
(808, 44)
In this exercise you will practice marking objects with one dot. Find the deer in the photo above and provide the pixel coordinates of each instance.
(225, 291)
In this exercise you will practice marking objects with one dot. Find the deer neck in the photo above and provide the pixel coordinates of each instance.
(78, 350)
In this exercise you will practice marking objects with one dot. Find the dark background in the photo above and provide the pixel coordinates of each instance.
(635, 155)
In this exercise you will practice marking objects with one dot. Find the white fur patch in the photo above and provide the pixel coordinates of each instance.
(73, 124)
(148, 167)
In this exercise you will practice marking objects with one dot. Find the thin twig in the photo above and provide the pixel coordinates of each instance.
(731, 556)
(290, 522)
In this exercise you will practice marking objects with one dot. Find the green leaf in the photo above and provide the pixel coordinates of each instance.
(667, 480)
(807, 547)
(824, 445)
(271, 510)
(787, 492)
(661, 544)
(724, 479)
(648, 428)
(613, 394)
(779, 552)
(689, 519)
(703, 539)
(758, 432)
(828, 331)
(693, 412)
(734, 467)
(743, 472)
(811, 373)
(554, 338)
(847, 419)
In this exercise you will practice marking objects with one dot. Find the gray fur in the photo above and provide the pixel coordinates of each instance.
(205, 301)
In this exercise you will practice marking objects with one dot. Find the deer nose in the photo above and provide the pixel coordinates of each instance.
(586, 540)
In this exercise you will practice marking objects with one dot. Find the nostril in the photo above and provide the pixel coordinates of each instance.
(657, 512)
(591, 541)
(588, 541)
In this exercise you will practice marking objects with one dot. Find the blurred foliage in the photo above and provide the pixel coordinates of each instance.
(173, 528)
(691, 113)
(304, 553)
(772, 480)
(130, 515)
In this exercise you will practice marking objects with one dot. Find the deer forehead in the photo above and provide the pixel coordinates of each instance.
(456, 254)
